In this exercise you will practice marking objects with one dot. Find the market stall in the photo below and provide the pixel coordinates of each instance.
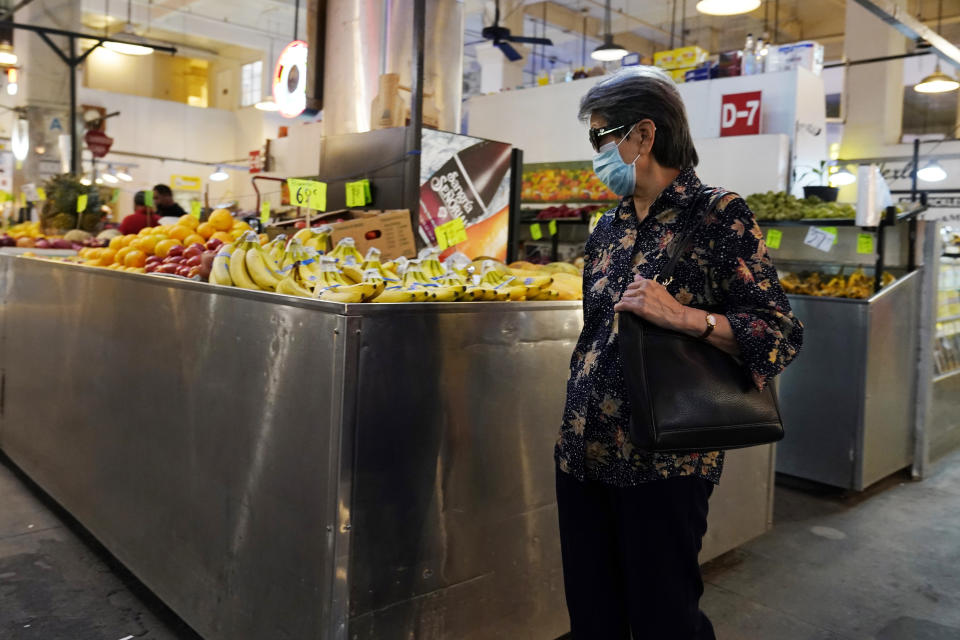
(278, 495)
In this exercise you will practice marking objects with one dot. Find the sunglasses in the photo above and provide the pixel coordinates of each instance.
(599, 133)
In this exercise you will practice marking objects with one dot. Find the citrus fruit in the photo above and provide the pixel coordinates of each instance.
(194, 239)
(221, 220)
(149, 243)
(121, 254)
(94, 254)
(146, 231)
(179, 232)
(116, 243)
(242, 225)
(107, 257)
(223, 237)
(163, 247)
(135, 258)
(205, 229)
(263, 238)
(188, 220)
(127, 239)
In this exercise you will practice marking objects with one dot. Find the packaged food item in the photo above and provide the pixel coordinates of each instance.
(786, 57)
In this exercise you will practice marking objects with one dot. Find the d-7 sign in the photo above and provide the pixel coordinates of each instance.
(740, 114)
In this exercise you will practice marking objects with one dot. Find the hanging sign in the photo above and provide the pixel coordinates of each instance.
(265, 212)
(255, 164)
(186, 183)
(81, 203)
(308, 193)
(98, 142)
(196, 209)
(290, 80)
(740, 114)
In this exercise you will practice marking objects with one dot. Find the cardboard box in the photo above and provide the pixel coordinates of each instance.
(679, 75)
(390, 231)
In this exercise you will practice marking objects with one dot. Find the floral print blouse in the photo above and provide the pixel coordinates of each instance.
(728, 269)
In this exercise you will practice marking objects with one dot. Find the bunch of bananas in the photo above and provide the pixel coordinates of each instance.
(857, 286)
(315, 238)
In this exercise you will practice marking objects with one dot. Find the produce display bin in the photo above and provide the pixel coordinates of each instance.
(279, 467)
(848, 401)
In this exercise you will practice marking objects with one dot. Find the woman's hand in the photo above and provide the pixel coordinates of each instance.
(651, 301)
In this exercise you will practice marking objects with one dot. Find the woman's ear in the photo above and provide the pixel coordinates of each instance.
(646, 131)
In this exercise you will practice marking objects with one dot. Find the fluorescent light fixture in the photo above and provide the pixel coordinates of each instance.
(20, 139)
(219, 175)
(98, 181)
(842, 178)
(933, 172)
(110, 178)
(85, 181)
(123, 175)
(937, 82)
(608, 51)
(267, 104)
(12, 88)
(727, 7)
(134, 46)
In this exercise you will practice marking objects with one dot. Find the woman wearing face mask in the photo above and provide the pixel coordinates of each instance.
(631, 521)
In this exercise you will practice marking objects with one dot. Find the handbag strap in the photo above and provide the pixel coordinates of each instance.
(687, 238)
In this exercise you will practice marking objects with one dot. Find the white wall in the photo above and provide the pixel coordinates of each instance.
(176, 130)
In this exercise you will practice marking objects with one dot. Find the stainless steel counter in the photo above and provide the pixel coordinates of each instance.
(276, 467)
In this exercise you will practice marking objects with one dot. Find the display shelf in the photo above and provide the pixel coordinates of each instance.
(571, 203)
(947, 375)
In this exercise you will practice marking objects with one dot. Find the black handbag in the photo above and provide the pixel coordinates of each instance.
(688, 396)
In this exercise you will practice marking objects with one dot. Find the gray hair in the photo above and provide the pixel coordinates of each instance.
(640, 93)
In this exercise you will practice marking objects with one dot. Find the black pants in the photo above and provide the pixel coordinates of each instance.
(630, 558)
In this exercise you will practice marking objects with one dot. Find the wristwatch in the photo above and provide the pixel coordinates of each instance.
(711, 325)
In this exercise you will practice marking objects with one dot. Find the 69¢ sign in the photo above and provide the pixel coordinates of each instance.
(308, 193)
(740, 114)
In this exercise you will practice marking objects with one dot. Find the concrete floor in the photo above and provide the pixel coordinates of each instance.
(883, 565)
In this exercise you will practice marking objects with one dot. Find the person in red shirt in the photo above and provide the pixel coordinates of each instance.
(140, 218)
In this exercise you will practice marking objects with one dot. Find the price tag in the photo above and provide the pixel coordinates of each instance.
(196, 209)
(367, 195)
(552, 227)
(308, 193)
(865, 243)
(148, 198)
(451, 233)
(832, 230)
(81, 203)
(820, 238)
(594, 221)
(41, 194)
(355, 194)
(265, 212)
(535, 232)
(774, 237)
(116, 195)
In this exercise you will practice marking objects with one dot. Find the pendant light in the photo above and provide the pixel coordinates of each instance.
(932, 172)
(938, 81)
(842, 178)
(727, 7)
(124, 175)
(219, 175)
(135, 45)
(608, 51)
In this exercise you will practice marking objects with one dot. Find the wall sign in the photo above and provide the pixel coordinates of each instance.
(290, 79)
(186, 183)
(740, 114)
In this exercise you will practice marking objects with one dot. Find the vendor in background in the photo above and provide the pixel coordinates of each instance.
(141, 216)
(165, 205)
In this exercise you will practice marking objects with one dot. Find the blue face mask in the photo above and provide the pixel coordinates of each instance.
(619, 176)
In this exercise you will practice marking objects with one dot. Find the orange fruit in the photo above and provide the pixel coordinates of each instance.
(191, 239)
(116, 243)
(127, 239)
(107, 257)
(242, 225)
(93, 254)
(223, 236)
(163, 247)
(205, 229)
(149, 244)
(188, 220)
(162, 229)
(135, 258)
(179, 232)
(122, 254)
(221, 220)
(146, 231)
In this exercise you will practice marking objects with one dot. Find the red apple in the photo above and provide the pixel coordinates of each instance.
(183, 270)
(194, 261)
(167, 268)
(214, 243)
(176, 250)
(193, 250)
(173, 260)
(193, 272)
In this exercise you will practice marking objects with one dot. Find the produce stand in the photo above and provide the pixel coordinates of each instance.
(280, 467)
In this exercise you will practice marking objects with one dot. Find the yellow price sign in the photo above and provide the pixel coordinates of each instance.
(367, 195)
(356, 197)
(41, 194)
(865, 243)
(451, 233)
(535, 231)
(552, 227)
(81, 203)
(265, 212)
(774, 237)
(196, 209)
(308, 193)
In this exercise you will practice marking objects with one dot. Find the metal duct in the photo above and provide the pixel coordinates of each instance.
(366, 38)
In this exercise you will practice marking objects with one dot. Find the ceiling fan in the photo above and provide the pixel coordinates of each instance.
(501, 38)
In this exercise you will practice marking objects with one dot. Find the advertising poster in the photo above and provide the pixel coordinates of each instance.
(466, 178)
(563, 182)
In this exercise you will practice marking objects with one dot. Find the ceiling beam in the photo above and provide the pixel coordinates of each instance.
(902, 21)
(573, 21)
